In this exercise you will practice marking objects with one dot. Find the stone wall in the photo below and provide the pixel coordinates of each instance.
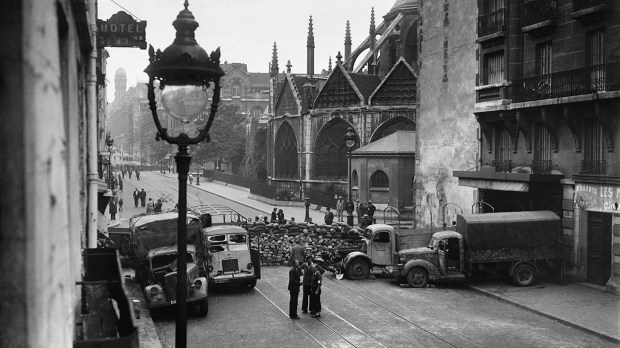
(276, 240)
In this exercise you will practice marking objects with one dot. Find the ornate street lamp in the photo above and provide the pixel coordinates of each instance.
(109, 143)
(350, 140)
(189, 79)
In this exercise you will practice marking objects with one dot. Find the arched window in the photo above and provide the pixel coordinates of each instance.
(354, 179)
(236, 90)
(331, 152)
(286, 165)
(379, 180)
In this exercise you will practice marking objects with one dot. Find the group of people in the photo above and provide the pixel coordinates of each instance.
(277, 216)
(304, 273)
(153, 207)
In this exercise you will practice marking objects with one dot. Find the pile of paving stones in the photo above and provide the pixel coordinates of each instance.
(276, 240)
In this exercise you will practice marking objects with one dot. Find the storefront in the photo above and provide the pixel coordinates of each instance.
(597, 227)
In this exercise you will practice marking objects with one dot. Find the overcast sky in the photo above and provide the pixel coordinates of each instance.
(245, 30)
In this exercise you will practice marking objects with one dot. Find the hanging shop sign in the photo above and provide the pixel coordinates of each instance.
(121, 30)
(603, 197)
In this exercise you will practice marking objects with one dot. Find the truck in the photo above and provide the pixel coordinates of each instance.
(231, 252)
(153, 256)
(518, 244)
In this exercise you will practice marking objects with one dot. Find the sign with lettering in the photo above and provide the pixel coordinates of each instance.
(121, 30)
(603, 197)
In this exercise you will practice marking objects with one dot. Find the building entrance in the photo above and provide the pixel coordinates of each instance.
(599, 247)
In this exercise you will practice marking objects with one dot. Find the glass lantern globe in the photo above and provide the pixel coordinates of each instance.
(186, 102)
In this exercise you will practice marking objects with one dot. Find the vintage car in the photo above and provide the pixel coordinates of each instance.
(161, 285)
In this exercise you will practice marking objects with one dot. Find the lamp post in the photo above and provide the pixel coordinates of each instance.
(189, 79)
(350, 140)
(109, 143)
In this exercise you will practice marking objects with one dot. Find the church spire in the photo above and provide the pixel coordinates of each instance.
(347, 43)
(273, 68)
(371, 61)
(329, 67)
(288, 67)
(310, 46)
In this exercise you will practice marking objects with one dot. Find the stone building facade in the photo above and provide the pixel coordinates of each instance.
(547, 103)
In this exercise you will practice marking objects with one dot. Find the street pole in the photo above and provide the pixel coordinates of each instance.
(350, 202)
(183, 160)
(198, 176)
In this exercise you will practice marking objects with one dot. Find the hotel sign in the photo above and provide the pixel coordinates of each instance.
(121, 30)
(603, 197)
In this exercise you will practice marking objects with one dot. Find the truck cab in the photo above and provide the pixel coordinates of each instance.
(380, 251)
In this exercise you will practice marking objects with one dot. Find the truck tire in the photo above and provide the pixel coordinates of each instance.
(524, 275)
(203, 307)
(358, 269)
(417, 277)
(251, 284)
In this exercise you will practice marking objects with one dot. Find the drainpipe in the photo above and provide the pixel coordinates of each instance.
(91, 112)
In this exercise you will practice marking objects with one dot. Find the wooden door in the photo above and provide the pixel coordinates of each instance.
(599, 248)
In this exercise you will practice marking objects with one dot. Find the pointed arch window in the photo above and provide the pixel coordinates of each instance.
(354, 178)
(331, 152)
(286, 161)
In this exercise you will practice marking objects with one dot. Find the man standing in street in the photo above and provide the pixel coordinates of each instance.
(112, 208)
(329, 216)
(143, 198)
(340, 209)
(136, 196)
(298, 253)
(293, 287)
(371, 210)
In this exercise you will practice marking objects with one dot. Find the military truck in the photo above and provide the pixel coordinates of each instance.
(153, 255)
(519, 244)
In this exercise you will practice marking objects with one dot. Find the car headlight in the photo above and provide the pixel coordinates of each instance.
(210, 268)
(197, 284)
(250, 265)
(154, 291)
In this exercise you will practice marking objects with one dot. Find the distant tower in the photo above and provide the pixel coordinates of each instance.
(120, 83)
(288, 67)
(329, 67)
(310, 46)
(347, 46)
(273, 67)
(373, 43)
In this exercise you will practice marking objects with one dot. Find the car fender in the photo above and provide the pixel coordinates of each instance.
(159, 297)
(353, 256)
(433, 271)
(202, 291)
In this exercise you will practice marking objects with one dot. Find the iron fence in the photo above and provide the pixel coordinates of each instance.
(503, 166)
(593, 167)
(537, 11)
(541, 166)
(492, 22)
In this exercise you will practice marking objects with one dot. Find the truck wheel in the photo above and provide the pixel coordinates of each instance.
(203, 307)
(358, 269)
(417, 277)
(524, 275)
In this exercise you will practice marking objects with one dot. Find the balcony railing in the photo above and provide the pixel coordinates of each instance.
(594, 167)
(537, 11)
(541, 166)
(579, 5)
(587, 80)
(491, 23)
(503, 166)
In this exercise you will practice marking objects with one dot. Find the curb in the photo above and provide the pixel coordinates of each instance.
(534, 310)
(147, 333)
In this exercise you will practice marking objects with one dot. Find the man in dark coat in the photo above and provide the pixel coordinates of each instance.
(136, 196)
(293, 287)
(158, 205)
(329, 216)
(274, 215)
(113, 208)
(143, 198)
(308, 269)
(371, 209)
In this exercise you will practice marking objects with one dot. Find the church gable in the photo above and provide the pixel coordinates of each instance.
(398, 88)
(287, 103)
(338, 92)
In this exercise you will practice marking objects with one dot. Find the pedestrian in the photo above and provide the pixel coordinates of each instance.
(315, 293)
(329, 216)
(129, 172)
(120, 205)
(365, 221)
(150, 206)
(363, 208)
(280, 217)
(157, 207)
(293, 287)
(340, 209)
(308, 269)
(112, 208)
(371, 209)
(120, 184)
(274, 215)
(298, 253)
(123, 172)
(191, 178)
(143, 198)
(137, 175)
(136, 196)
